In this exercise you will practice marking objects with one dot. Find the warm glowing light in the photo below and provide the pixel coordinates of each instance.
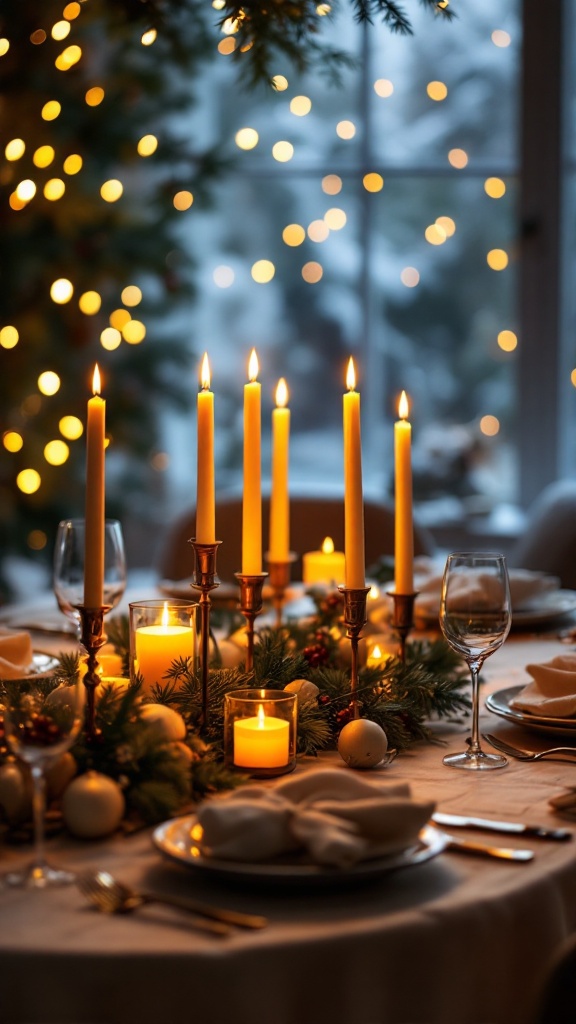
(15, 202)
(205, 373)
(501, 38)
(494, 187)
(70, 56)
(38, 37)
(4, 46)
(73, 164)
(331, 184)
(134, 332)
(282, 151)
(61, 290)
(56, 452)
(71, 427)
(489, 426)
(218, 5)
(54, 189)
(458, 158)
(9, 337)
(403, 406)
(300, 105)
(507, 341)
(312, 272)
(89, 303)
(131, 295)
(447, 224)
(246, 138)
(293, 234)
(110, 338)
(318, 231)
(26, 190)
(281, 393)
(94, 96)
(37, 540)
(118, 318)
(437, 91)
(346, 129)
(383, 87)
(323, 9)
(226, 46)
(183, 200)
(435, 234)
(111, 190)
(263, 271)
(43, 156)
(253, 366)
(335, 218)
(223, 276)
(410, 277)
(71, 11)
(573, 378)
(51, 110)
(149, 37)
(280, 83)
(15, 149)
(373, 182)
(328, 546)
(351, 375)
(230, 26)
(48, 382)
(147, 145)
(497, 259)
(13, 441)
(60, 30)
(96, 380)
(28, 481)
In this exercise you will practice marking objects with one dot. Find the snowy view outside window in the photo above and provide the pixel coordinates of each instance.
(376, 219)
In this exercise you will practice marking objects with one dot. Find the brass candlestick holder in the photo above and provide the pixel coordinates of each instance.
(279, 580)
(250, 606)
(354, 620)
(205, 580)
(402, 617)
(92, 638)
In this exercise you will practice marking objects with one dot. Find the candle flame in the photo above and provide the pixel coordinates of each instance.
(351, 375)
(261, 716)
(281, 393)
(164, 619)
(403, 407)
(376, 652)
(374, 592)
(205, 373)
(253, 366)
(96, 382)
(327, 546)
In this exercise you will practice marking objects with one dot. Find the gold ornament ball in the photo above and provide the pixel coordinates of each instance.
(15, 793)
(93, 806)
(167, 724)
(362, 743)
(60, 774)
(304, 689)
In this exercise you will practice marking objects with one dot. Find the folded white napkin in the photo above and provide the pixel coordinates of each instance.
(15, 655)
(526, 589)
(334, 816)
(553, 690)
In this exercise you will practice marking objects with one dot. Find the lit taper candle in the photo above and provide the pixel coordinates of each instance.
(403, 526)
(252, 495)
(279, 499)
(353, 496)
(95, 497)
(205, 501)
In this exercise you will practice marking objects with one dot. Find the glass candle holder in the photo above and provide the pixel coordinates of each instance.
(162, 632)
(260, 731)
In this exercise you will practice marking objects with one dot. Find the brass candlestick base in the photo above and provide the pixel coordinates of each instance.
(279, 580)
(354, 620)
(250, 606)
(205, 580)
(403, 617)
(92, 639)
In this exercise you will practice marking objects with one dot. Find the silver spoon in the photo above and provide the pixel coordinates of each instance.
(113, 897)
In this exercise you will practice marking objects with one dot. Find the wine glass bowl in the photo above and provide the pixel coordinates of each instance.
(475, 618)
(68, 579)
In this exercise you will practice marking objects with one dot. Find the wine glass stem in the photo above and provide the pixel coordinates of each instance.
(475, 666)
(38, 810)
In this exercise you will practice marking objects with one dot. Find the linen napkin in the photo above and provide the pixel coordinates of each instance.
(15, 655)
(553, 689)
(526, 588)
(333, 816)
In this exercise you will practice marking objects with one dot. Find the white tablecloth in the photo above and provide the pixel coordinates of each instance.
(460, 940)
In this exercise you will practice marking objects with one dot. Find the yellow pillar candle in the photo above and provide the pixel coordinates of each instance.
(325, 566)
(403, 527)
(158, 646)
(261, 741)
(95, 498)
(279, 498)
(353, 496)
(252, 495)
(205, 501)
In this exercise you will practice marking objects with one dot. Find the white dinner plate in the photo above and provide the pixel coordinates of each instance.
(43, 664)
(545, 609)
(173, 838)
(500, 704)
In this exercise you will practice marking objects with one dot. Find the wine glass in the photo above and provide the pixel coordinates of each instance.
(69, 565)
(475, 620)
(41, 721)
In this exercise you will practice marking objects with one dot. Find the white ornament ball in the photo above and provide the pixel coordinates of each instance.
(183, 753)
(230, 654)
(167, 724)
(15, 792)
(362, 743)
(93, 806)
(303, 688)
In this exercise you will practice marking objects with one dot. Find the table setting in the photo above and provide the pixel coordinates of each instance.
(248, 817)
